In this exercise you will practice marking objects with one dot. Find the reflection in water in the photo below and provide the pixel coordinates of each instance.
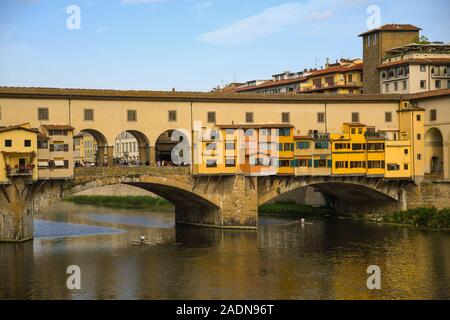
(283, 260)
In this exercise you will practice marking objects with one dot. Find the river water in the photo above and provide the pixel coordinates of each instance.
(324, 259)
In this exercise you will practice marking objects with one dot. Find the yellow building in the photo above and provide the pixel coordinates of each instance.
(343, 77)
(18, 147)
(349, 150)
(55, 152)
(312, 155)
(248, 149)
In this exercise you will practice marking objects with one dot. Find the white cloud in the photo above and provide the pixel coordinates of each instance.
(203, 5)
(274, 20)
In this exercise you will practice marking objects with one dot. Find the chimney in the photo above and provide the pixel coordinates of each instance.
(327, 64)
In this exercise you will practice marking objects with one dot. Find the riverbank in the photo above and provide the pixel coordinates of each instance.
(142, 202)
(422, 217)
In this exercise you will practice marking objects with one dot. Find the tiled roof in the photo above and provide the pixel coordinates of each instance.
(271, 83)
(393, 27)
(58, 127)
(254, 126)
(356, 66)
(95, 94)
(436, 61)
(430, 94)
(18, 127)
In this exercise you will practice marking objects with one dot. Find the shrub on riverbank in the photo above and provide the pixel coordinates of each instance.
(292, 209)
(144, 202)
(430, 217)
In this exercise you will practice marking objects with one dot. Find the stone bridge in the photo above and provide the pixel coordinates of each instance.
(222, 201)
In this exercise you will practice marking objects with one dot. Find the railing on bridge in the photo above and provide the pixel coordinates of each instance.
(130, 171)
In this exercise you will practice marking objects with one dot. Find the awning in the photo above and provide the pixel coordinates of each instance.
(59, 163)
(42, 163)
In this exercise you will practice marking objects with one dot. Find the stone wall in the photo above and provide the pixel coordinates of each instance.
(428, 194)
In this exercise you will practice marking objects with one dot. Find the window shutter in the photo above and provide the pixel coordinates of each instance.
(310, 163)
(52, 148)
(316, 163)
(329, 164)
(66, 148)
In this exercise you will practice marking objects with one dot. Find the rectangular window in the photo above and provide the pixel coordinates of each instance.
(419, 136)
(355, 116)
(340, 146)
(419, 156)
(288, 147)
(375, 164)
(418, 117)
(393, 167)
(172, 116)
(388, 116)
(59, 147)
(405, 166)
(88, 114)
(423, 84)
(340, 164)
(386, 86)
(249, 117)
(375, 146)
(433, 115)
(422, 68)
(132, 115)
(358, 146)
(27, 143)
(404, 83)
(43, 114)
(211, 117)
(406, 152)
(42, 144)
(8, 143)
(437, 84)
(303, 145)
(321, 144)
(230, 162)
(321, 117)
(230, 146)
(284, 163)
(357, 164)
(395, 86)
(284, 132)
(211, 163)
(285, 117)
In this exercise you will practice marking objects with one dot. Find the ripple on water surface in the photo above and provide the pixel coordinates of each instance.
(141, 221)
(50, 229)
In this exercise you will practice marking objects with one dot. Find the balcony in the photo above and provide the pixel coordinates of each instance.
(19, 171)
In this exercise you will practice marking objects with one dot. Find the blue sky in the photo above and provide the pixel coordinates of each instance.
(188, 44)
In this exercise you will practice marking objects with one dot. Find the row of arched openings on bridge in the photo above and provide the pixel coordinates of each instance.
(133, 147)
(130, 147)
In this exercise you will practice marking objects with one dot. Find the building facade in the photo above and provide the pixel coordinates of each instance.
(376, 44)
(415, 68)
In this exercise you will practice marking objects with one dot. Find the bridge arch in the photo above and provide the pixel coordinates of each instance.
(352, 195)
(138, 150)
(98, 146)
(191, 204)
(166, 142)
(434, 151)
